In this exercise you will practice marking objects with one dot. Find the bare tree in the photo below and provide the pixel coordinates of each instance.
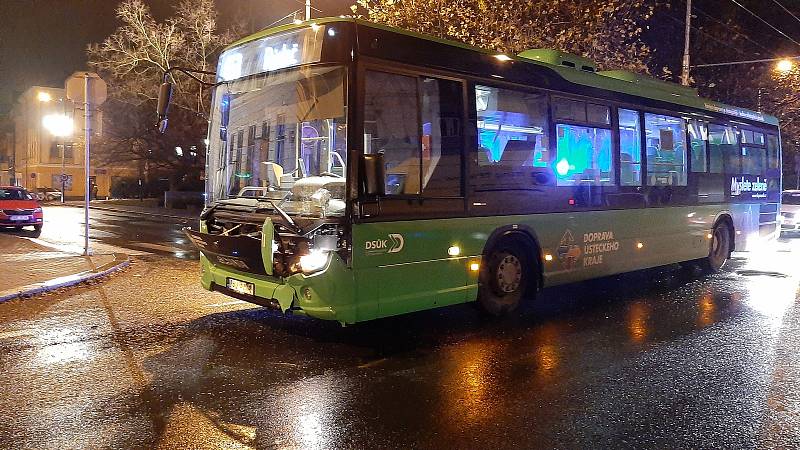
(133, 60)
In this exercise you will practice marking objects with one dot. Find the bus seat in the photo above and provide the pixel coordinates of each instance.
(274, 173)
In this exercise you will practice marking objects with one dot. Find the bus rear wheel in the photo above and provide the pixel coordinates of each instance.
(719, 250)
(504, 280)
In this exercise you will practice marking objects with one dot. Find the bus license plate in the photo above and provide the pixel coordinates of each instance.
(241, 287)
(20, 218)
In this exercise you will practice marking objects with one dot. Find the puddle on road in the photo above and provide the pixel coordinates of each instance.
(756, 273)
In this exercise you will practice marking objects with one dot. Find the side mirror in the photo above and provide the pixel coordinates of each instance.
(374, 174)
(164, 99)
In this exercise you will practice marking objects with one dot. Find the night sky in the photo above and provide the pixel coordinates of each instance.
(43, 41)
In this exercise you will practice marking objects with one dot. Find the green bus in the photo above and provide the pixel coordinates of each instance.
(357, 171)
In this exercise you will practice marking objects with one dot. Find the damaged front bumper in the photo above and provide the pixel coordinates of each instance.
(327, 294)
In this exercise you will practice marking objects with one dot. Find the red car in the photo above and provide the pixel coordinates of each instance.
(18, 208)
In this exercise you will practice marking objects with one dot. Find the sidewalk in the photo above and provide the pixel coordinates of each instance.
(132, 206)
(27, 268)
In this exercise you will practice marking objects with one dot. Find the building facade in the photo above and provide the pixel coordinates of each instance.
(42, 159)
(6, 151)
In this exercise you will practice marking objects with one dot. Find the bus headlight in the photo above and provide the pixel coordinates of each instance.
(313, 261)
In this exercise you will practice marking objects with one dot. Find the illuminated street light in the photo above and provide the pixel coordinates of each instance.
(784, 66)
(43, 96)
(58, 125)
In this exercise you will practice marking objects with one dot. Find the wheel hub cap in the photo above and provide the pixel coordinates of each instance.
(509, 274)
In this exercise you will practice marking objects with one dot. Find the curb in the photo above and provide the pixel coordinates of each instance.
(107, 208)
(120, 262)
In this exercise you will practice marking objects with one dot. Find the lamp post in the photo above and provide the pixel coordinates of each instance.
(60, 125)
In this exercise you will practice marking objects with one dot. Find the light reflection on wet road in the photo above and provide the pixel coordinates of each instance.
(129, 232)
(657, 359)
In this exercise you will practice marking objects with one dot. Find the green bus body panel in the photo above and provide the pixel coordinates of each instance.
(405, 266)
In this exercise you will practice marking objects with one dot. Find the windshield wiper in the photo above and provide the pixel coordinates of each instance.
(280, 211)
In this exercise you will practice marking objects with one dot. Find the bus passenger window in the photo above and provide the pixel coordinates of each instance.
(391, 127)
(630, 148)
(754, 153)
(512, 128)
(752, 137)
(754, 160)
(599, 114)
(773, 152)
(723, 148)
(442, 137)
(665, 139)
(568, 109)
(583, 156)
(698, 136)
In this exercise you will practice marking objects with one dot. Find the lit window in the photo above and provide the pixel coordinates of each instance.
(630, 148)
(583, 155)
(665, 140)
(698, 136)
(723, 149)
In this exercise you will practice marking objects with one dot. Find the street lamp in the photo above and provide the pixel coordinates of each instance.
(60, 125)
(784, 66)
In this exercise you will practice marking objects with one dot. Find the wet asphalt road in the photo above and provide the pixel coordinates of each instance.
(655, 359)
(133, 233)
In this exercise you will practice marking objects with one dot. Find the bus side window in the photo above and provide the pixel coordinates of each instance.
(666, 150)
(630, 148)
(698, 137)
(724, 148)
(442, 136)
(773, 152)
(391, 127)
(754, 153)
(512, 128)
(583, 153)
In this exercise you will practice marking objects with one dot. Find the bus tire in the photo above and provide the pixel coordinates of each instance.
(719, 249)
(506, 277)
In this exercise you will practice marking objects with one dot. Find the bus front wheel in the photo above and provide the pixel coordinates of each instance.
(504, 280)
(720, 248)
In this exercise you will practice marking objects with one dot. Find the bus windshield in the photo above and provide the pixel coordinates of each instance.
(280, 136)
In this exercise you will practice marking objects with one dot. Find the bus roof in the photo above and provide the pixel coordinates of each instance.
(613, 80)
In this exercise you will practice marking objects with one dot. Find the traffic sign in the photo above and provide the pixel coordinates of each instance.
(76, 88)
